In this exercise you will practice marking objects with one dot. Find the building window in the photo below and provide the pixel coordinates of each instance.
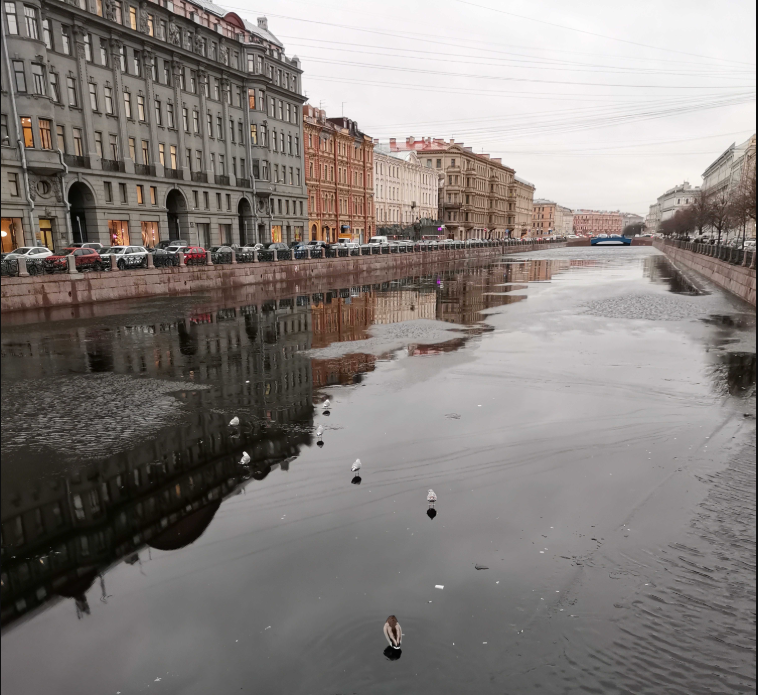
(19, 77)
(218, 201)
(141, 108)
(45, 134)
(196, 199)
(122, 193)
(133, 149)
(170, 115)
(108, 100)
(158, 113)
(150, 236)
(78, 142)
(206, 200)
(153, 195)
(26, 131)
(10, 15)
(196, 121)
(88, 47)
(127, 104)
(47, 34)
(104, 52)
(185, 120)
(118, 231)
(210, 125)
(133, 18)
(137, 64)
(13, 188)
(145, 152)
(140, 194)
(172, 154)
(60, 136)
(162, 154)
(253, 134)
(30, 17)
(99, 143)
(38, 78)
(220, 127)
(113, 146)
(193, 82)
(108, 191)
(54, 90)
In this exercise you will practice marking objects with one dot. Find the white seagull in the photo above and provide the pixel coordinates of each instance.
(326, 404)
(234, 421)
(393, 632)
(319, 431)
(431, 496)
(245, 459)
(356, 466)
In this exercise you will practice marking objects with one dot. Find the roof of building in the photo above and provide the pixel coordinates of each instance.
(544, 201)
(524, 181)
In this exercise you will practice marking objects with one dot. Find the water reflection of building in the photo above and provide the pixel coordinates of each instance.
(59, 534)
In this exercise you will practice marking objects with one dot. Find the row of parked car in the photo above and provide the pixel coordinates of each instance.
(96, 256)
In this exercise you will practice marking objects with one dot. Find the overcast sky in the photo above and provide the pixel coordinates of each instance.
(600, 105)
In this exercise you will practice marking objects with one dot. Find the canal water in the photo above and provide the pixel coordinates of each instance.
(585, 416)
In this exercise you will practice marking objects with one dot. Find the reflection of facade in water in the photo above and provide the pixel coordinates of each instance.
(342, 370)
(536, 270)
(661, 271)
(405, 305)
(60, 534)
(337, 318)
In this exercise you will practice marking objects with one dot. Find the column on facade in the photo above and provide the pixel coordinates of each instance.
(83, 79)
(177, 67)
(202, 80)
(118, 86)
(150, 59)
(225, 88)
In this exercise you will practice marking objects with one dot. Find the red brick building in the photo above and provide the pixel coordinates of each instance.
(339, 161)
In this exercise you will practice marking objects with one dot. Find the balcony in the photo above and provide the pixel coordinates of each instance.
(452, 206)
(199, 177)
(172, 173)
(76, 161)
(112, 165)
(222, 180)
(144, 169)
(243, 183)
(45, 162)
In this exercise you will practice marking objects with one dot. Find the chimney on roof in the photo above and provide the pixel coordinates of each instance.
(410, 140)
(263, 23)
(393, 144)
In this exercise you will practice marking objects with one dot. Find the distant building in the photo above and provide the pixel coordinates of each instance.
(524, 194)
(628, 218)
(591, 222)
(405, 191)
(732, 166)
(549, 218)
(674, 199)
(476, 194)
(339, 166)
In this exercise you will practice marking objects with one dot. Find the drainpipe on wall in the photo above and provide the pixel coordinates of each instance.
(65, 198)
(19, 141)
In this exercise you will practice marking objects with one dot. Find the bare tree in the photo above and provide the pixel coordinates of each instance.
(680, 225)
(700, 211)
(743, 203)
(634, 228)
(721, 214)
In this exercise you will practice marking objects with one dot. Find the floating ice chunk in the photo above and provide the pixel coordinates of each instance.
(234, 421)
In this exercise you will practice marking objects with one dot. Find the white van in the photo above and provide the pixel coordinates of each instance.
(378, 241)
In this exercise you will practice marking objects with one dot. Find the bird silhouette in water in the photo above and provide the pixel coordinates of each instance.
(234, 421)
(245, 459)
(393, 632)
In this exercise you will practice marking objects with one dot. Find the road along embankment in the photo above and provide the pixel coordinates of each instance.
(737, 279)
(65, 290)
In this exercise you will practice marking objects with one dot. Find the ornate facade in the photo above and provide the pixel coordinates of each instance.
(138, 122)
(339, 164)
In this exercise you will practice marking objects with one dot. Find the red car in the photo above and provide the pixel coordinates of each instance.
(193, 254)
(85, 259)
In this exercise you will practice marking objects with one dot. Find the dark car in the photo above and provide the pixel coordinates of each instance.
(84, 258)
(163, 245)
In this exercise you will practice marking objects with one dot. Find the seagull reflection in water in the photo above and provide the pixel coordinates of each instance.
(431, 512)
(392, 654)
(356, 480)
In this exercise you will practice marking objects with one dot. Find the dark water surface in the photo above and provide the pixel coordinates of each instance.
(588, 425)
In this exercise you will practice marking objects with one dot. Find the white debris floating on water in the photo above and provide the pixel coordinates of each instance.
(439, 586)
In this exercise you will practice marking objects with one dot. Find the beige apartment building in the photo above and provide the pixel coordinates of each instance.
(476, 192)
(524, 195)
(593, 222)
(549, 219)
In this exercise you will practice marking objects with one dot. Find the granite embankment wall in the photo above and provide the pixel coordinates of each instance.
(51, 291)
(736, 279)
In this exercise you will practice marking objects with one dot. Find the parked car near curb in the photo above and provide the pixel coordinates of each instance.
(30, 253)
(125, 255)
(84, 258)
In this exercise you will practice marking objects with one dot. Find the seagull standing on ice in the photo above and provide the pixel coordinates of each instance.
(393, 632)
(431, 496)
(319, 431)
(356, 466)
(326, 404)
(234, 421)
(245, 459)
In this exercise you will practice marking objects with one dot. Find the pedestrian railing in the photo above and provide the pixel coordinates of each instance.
(729, 254)
(14, 268)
